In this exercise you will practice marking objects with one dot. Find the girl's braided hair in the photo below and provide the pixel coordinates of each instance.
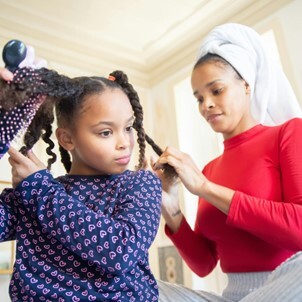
(44, 92)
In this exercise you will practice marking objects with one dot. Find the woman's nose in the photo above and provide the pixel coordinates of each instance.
(206, 104)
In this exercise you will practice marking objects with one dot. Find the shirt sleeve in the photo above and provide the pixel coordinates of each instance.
(8, 215)
(197, 251)
(114, 242)
(279, 223)
(3, 149)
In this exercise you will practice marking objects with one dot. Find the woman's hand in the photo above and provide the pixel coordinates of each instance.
(23, 166)
(170, 197)
(219, 196)
(185, 168)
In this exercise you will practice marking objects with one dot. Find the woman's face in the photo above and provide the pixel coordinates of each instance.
(223, 98)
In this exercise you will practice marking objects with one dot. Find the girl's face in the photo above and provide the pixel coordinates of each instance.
(102, 138)
(223, 99)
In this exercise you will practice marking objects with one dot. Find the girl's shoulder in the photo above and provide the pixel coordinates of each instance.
(123, 179)
(141, 175)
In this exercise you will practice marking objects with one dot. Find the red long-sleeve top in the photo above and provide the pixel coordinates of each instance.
(264, 224)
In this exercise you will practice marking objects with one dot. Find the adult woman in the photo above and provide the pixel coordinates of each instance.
(253, 190)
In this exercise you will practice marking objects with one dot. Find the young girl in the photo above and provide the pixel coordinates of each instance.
(83, 236)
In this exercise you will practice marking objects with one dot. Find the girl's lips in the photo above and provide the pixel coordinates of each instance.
(123, 160)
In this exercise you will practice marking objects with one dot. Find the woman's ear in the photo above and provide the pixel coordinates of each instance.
(64, 138)
(247, 88)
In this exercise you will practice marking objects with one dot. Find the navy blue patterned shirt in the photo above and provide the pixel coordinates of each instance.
(82, 238)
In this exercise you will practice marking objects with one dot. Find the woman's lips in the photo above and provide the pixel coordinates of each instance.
(213, 117)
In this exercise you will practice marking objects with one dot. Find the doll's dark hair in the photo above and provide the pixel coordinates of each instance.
(64, 97)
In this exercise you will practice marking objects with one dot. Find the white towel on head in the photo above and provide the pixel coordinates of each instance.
(272, 98)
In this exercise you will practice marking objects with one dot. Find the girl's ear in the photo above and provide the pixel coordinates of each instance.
(64, 138)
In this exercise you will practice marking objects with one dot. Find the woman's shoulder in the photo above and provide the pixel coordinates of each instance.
(292, 125)
(297, 121)
(289, 131)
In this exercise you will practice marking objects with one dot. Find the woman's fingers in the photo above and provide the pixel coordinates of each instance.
(184, 166)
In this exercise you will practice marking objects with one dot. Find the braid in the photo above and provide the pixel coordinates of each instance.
(169, 170)
(122, 79)
(154, 146)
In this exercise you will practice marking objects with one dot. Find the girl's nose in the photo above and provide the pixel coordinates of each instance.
(123, 141)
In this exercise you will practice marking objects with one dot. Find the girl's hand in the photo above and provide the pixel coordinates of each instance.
(186, 169)
(5, 74)
(23, 166)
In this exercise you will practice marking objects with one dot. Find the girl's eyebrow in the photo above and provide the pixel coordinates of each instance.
(109, 123)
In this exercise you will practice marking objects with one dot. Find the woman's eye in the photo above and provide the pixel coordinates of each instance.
(199, 100)
(217, 91)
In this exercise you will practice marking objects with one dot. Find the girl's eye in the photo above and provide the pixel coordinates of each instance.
(129, 129)
(105, 133)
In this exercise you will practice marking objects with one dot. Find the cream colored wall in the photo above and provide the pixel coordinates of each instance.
(287, 24)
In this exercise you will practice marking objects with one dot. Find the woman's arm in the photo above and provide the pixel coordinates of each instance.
(259, 216)
(277, 222)
(194, 180)
(198, 252)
